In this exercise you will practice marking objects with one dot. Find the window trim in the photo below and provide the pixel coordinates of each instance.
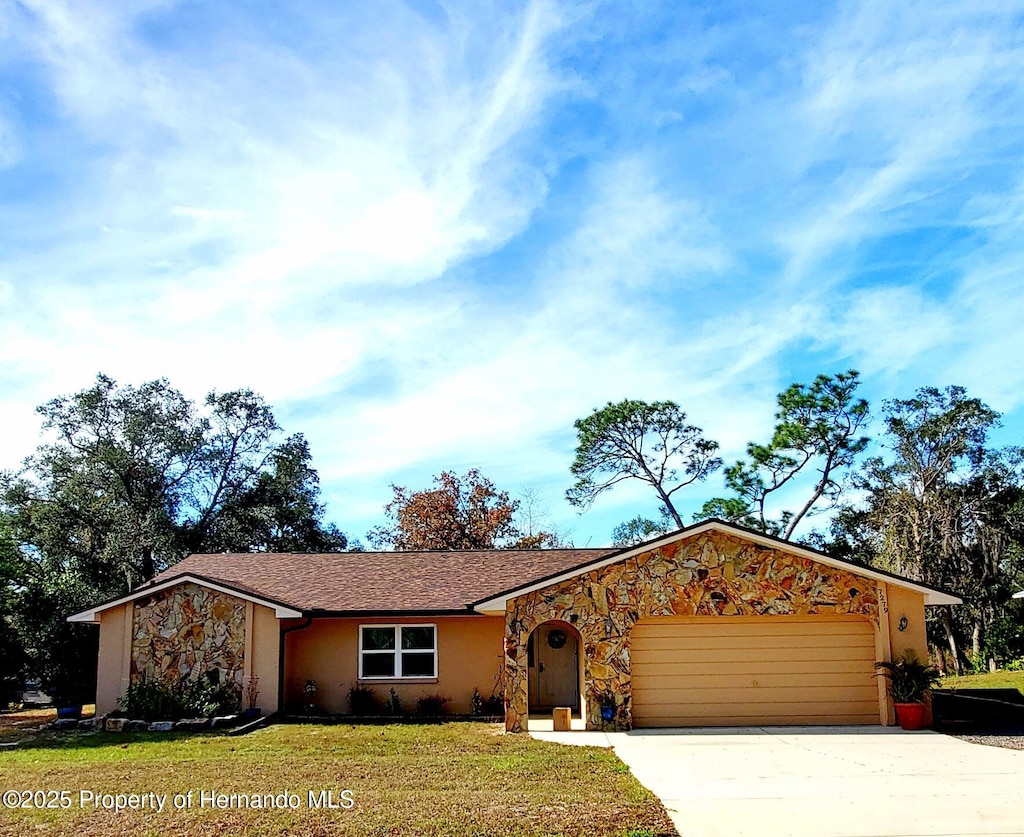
(397, 651)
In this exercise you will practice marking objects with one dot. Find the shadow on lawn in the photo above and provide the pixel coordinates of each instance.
(54, 740)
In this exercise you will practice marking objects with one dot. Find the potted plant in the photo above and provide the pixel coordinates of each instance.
(252, 693)
(69, 696)
(910, 679)
(609, 705)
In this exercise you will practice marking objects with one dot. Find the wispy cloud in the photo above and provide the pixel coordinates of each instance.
(434, 235)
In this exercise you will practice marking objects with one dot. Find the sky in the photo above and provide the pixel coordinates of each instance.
(433, 235)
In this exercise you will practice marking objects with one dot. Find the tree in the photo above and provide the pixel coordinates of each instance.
(135, 478)
(650, 442)
(12, 654)
(816, 425)
(638, 530)
(458, 513)
(947, 510)
(280, 512)
(534, 525)
(130, 480)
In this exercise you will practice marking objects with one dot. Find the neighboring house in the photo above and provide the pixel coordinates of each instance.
(713, 624)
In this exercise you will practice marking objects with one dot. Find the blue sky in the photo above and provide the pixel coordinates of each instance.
(433, 235)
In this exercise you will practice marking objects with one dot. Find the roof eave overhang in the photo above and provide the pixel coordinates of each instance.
(497, 604)
(391, 613)
(281, 610)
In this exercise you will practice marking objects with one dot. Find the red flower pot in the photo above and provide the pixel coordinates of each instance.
(910, 715)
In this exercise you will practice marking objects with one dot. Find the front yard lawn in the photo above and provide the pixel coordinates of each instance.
(989, 680)
(449, 779)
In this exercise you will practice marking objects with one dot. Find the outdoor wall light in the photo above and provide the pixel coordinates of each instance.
(902, 625)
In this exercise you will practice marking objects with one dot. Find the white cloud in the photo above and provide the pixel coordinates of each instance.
(436, 243)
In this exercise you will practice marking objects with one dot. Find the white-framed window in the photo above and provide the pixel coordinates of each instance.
(391, 652)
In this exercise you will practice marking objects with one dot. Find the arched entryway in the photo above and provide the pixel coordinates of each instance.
(553, 660)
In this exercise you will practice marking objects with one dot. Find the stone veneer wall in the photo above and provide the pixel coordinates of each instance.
(713, 574)
(185, 631)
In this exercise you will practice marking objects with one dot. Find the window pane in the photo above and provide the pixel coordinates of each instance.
(378, 639)
(419, 638)
(417, 665)
(378, 665)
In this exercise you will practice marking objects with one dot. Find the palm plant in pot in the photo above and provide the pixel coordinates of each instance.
(910, 679)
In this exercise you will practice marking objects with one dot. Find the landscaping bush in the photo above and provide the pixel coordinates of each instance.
(393, 705)
(493, 705)
(362, 700)
(432, 704)
(152, 701)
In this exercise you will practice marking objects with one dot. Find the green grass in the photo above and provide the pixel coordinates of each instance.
(450, 779)
(989, 680)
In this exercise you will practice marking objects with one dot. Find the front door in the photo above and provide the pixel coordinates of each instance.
(557, 662)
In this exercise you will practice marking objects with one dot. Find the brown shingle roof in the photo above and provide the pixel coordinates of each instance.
(387, 582)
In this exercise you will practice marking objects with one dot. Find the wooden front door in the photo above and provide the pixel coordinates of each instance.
(556, 658)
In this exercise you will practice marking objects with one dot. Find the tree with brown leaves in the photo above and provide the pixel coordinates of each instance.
(465, 512)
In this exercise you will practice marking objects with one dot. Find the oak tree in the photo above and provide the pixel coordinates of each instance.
(465, 512)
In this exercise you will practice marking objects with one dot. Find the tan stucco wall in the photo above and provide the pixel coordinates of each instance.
(906, 603)
(710, 574)
(113, 663)
(263, 644)
(245, 641)
(469, 652)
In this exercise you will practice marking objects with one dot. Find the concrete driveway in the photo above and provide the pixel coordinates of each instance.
(820, 781)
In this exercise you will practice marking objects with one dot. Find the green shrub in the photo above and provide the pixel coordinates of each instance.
(493, 705)
(362, 700)
(155, 701)
(432, 704)
(393, 705)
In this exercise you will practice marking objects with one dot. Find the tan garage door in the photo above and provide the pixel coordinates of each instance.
(738, 671)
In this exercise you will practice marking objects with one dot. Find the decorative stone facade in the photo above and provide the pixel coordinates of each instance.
(712, 574)
(184, 632)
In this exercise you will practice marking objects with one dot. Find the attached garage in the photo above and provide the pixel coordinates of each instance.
(754, 670)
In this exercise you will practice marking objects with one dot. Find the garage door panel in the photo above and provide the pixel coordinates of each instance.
(831, 641)
(666, 626)
(754, 680)
(726, 695)
(703, 671)
(776, 653)
(793, 707)
(854, 665)
(774, 720)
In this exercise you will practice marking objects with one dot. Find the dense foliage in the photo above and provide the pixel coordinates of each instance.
(150, 701)
(945, 507)
(465, 512)
(129, 481)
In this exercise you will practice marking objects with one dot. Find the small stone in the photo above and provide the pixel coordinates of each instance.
(114, 724)
(161, 726)
(64, 724)
(136, 726)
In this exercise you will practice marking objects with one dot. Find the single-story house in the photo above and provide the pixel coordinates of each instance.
(711, 625)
